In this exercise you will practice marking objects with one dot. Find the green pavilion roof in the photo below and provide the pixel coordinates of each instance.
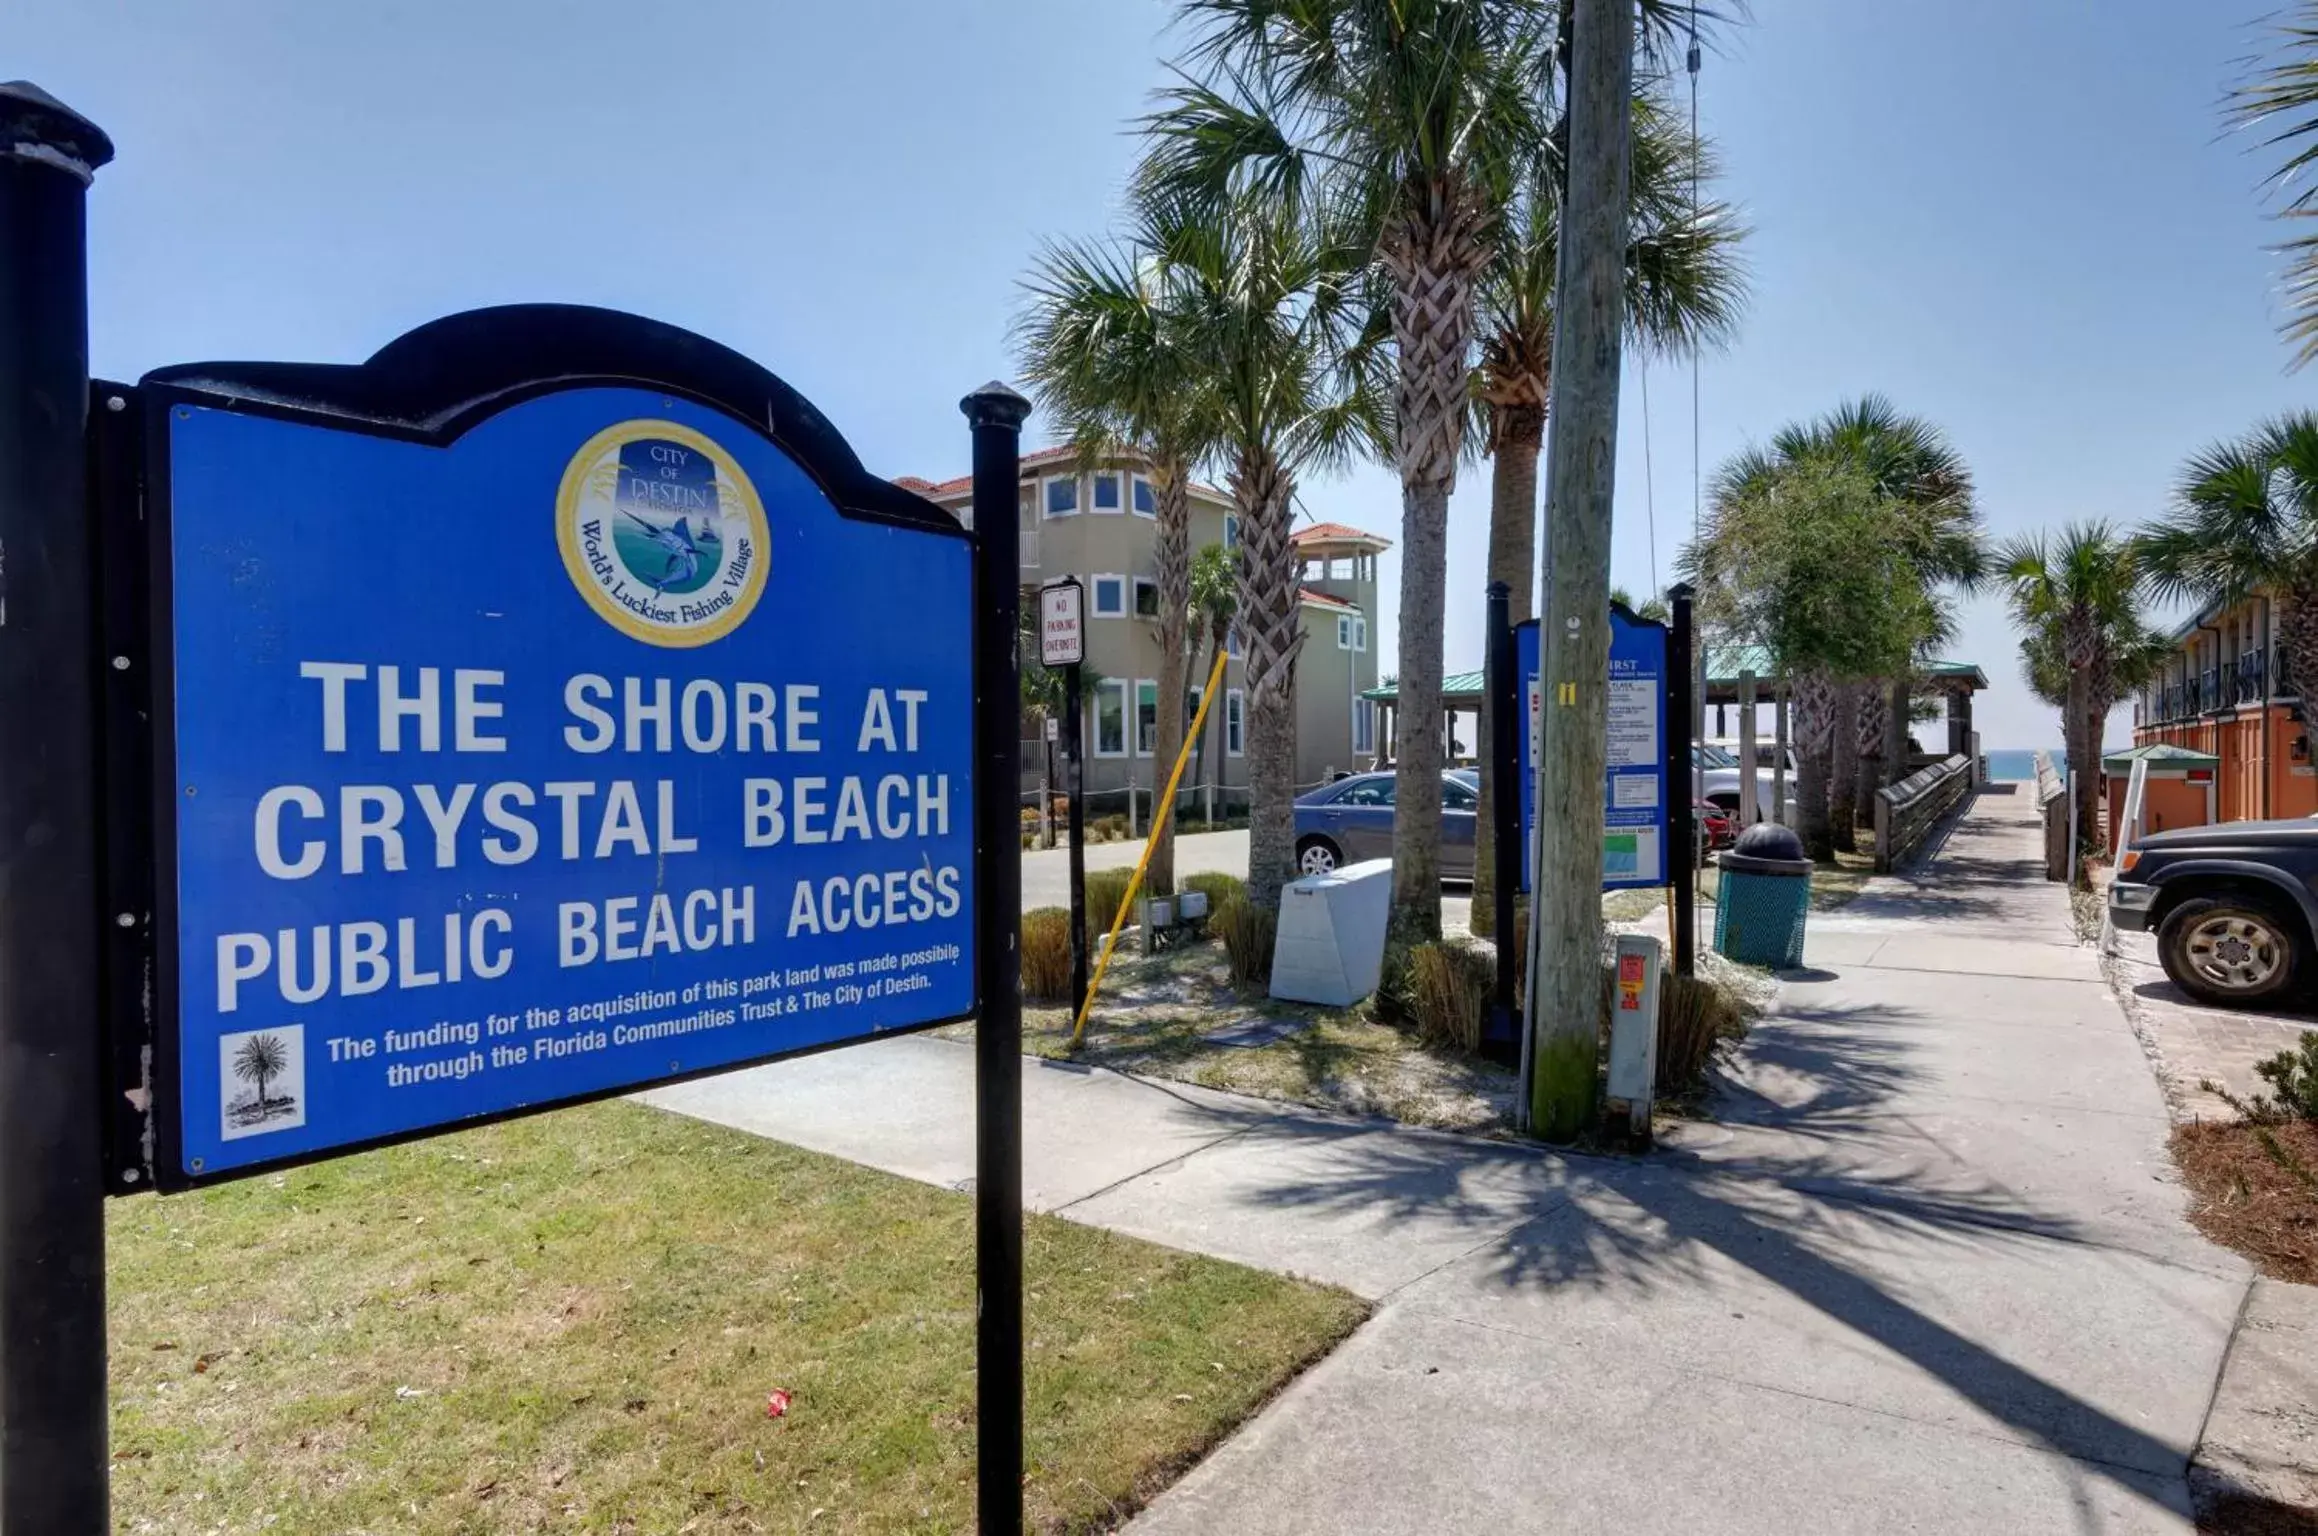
(2158, 755)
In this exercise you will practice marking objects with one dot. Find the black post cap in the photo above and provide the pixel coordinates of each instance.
(1680, 590)
(1498, 591)
(36, 126)
(995, 405)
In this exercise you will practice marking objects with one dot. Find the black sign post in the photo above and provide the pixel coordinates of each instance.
(1681, 781)
(53, 1469)
(1503, 704)
(1074, 749)
(1062, 644)
(997, 414)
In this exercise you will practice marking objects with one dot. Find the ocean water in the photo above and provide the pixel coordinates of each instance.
(2019, 765)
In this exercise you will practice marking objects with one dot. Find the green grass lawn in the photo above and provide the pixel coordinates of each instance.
(573, 1322)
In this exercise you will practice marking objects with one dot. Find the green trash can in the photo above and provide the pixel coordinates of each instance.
(1763, 896)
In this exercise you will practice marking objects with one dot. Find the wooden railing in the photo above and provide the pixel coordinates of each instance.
(1906, 812)
(2052, 804)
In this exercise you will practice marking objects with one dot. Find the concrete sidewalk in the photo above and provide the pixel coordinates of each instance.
(1928, 1272)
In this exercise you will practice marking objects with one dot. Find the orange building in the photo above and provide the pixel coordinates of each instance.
(2227, 692)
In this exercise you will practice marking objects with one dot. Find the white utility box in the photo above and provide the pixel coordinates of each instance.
(1331, 943)
(1634, 1029)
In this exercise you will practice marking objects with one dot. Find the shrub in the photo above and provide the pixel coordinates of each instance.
(1029, 842)
(2294, 1074)
(1046, 954)
(1695, 1016)
(1248, 933)
(1449, 986)
(1114, 827)
(1106, 889)
(1106, 892)
(1219, 887)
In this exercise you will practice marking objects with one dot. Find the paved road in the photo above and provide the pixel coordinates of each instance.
(1928, 1270)
(2191, 1042)
(1046, 875)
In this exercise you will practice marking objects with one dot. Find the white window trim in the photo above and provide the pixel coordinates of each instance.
(1231, 530)
(1144, 481)
(1231, 642)
(1103, 511)
(1363, 713)
(1095, 718)
(1135, 598)
(1360, 633)
(1126, 595)
(1078, 498)
(1135, 718)
(1235, 712)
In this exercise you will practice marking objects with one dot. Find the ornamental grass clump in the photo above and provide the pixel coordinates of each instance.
(1046, 954)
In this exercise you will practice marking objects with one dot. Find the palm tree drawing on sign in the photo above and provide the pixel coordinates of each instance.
(261, 1059)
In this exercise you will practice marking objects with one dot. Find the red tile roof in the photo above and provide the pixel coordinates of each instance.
(1335, 533)
(1328, 600)
(913, 483)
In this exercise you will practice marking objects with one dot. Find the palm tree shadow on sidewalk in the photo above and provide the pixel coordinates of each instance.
(1606, 1236)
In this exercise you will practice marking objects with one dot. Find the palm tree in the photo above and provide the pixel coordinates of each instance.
(1214, 602)
(1926, 490)
(1413, 120)
(1802, 557)
(1100, 348)
(2078, 588)
(261, 1059)
(2281, 99)
(1269, 307)
(2245, 520)
(1683, 291)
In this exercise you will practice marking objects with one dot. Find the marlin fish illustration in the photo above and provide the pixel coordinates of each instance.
(677, 544)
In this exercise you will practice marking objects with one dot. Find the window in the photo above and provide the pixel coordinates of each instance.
(1110, 597)
(1363, 725)
(1146, 498)
(1457, 795)
(1107, 491)
(1111, 718)
(1146, 598)
(1343, 632)
(1351, 632)
(1231, 642)
(1191, 695)
(1230, 530)
(1360, 634)
(1375, 791)
(1062, 496)
(1235, 724)
(1146, 717)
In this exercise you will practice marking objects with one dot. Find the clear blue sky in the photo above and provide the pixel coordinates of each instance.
(2017, 217)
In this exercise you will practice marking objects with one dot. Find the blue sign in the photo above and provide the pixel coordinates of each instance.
(1635, 807)
(591, 745)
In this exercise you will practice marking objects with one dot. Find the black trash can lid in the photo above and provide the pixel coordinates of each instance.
(1766, 849)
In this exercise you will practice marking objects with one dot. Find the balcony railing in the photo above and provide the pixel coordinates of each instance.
(2250, 670)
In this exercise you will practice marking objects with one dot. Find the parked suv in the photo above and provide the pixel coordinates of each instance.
(2232, 905)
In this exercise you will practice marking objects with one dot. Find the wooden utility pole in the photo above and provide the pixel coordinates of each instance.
(1565, 969)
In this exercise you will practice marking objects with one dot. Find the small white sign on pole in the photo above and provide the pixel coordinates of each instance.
(1062, 636)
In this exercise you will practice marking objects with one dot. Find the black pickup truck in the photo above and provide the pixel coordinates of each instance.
(2232, 905)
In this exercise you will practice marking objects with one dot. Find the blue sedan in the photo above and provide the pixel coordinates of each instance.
(1351, 820)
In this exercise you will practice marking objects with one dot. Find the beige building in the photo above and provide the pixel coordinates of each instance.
(1101, 526)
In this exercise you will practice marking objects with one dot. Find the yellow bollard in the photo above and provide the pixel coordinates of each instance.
(1161, 814)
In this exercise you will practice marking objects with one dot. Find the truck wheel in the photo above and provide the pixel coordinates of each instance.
(2231, 951)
